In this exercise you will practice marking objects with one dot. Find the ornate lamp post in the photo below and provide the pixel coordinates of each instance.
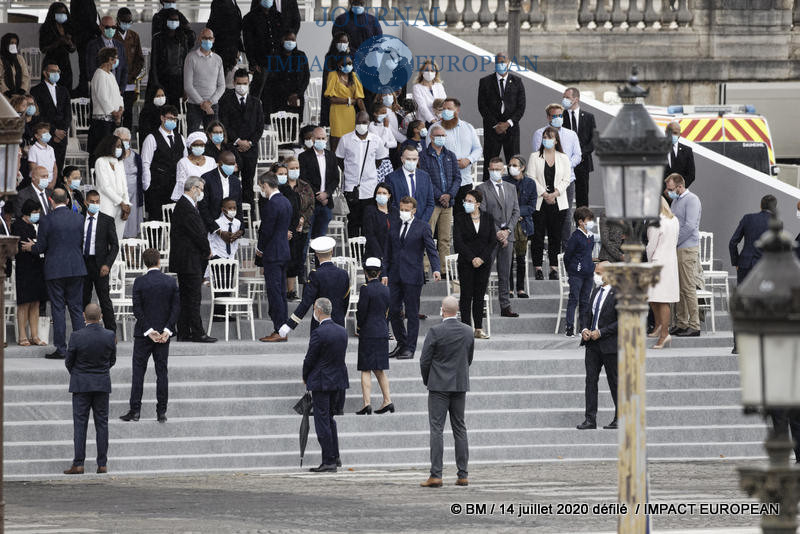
(766, 319)
(632, 153)
(11, 126)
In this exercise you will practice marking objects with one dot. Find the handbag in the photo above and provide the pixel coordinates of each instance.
(340, 207)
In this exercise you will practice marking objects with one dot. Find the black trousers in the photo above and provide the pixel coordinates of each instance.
(61, 153)
(473, 284)
(247, 172)
(493, 144)
(128, 99)
(581, 185)
(458, 206)
(297, 264)
(595, 360)
(782, 422)
(143, 348)
(547, 220)
(325, 403)
(97, 402)
(741, 274)
(356, 215)
(190, 325)
(97, 131)
(101, 287)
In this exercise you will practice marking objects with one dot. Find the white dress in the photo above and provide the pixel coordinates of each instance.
(186, 169)
(112, 184)
(662, 249)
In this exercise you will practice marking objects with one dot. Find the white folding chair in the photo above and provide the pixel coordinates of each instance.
(33, 57)
(131, 251)
(10, 302)
(166, 212)
(714, 280)
(705, 301)
(356, 250)
(75, 154)
(225, 292)
(454, 287)
(81, 118)
(247, 216)
(287, 126)
(249, 273)
(338, 231)
(123, 307)
(267, 150)
(313, 94)
(563, 290)
(156, 234)
(349, 265)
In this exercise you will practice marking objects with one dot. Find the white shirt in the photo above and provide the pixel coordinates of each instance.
(94, 233)
(504, 78)
(149, 149)
(408, 181)
(218, 246)
(351, 149)
(463, 141)
(606, 290)
(570, 145)
(186, 169)
(226, 184)
(41, 196)
(52, 88)
(672, 153)
(385, 134)
(424, 99)
(574, 117)
(44, 156)
(323, 168)
(477, 224)
(105, 93)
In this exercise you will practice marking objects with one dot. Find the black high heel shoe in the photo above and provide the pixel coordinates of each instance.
(388, 408)
(366, 410)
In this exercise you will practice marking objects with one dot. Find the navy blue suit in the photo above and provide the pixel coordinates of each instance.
(273, 243)
(580, 268)
(601, 352)
(325, 375)
(327, 281)
(92, 352)
(751, 228)
(211, 205)
(156, 306)
(60, 239)
(405, 273)
(423, 193)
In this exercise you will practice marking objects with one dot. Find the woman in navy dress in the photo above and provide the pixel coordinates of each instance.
(29, 276)
(372, 326)
(376, 223)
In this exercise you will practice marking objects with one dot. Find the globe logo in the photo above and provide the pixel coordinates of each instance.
(383, 63)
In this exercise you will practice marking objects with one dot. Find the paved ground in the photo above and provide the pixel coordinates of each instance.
(365, 501)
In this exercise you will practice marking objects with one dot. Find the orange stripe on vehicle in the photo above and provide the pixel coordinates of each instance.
(737, 132)
(715, 133)
(708, 124)
(758, 127)
(687, 125)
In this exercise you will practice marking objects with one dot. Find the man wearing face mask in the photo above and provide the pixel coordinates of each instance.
(582, 123)
(161, 152)
(168, 52)
(242, 115)
(222, 182)
(53, 101)
(204, 83)
(289, 75)
(461, 140)
(680, 159)
(501, 102)
(319, 168)
(411, 180)
(159, 23)
(357, 23)
(261, 32)
(108, 30)
(134, 59)
(580, 267)
(356, 154)
(37, 191)
(100, 248)
(687, 209)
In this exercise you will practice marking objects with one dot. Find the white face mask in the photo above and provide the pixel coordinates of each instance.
(231, 214)
(405, 216)
(199, 197)
(309, 143)
(598, 280)
(362, 129)
(429, 76)
(242, 89)
(496, 176)
(589, 226)
(798, 214)
(160, 100)
(12, 49)
(513, 170)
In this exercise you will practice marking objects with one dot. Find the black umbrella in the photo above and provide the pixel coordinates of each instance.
(303, 407)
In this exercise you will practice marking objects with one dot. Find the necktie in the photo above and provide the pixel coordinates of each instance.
(242, 105)
(171, 140)
(228, 245)
(403, 233)
(413, 185)
(87, 242)
(502, 88)
(596, 313)
(574, 123)
(45, 205)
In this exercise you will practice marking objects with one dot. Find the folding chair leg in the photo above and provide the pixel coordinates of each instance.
(227, 313)
(238, 328)
(211, 318)
(252, 323)
(713, 319)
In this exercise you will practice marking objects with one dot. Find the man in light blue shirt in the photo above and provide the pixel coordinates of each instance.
(463, 141)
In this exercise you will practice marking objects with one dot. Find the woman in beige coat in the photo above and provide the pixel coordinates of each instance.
(662, 243)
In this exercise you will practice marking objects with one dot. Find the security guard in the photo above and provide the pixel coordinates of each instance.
(327, 281)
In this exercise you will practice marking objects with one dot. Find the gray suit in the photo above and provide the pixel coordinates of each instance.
(445, 361)
(505, 212)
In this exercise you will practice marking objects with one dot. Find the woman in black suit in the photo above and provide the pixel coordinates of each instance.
(376, 223)
(29, 276)
(475, 239)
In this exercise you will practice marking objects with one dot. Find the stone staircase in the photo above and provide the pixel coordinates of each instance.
(230, 404)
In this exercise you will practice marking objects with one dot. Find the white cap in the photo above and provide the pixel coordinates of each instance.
(373, 262)
(323, 244)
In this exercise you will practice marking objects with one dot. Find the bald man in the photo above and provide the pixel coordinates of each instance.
(38, 191)
(446, 357)
(680, 158)
(319, 168)
(108, 29)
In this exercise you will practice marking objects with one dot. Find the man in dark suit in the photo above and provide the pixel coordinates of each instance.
(60, 239)
(273, 250)
(225, 21)
(501, 103)
(680, 159)
(243, 117)
(599, 336)
(411, 181)
(108, 27)
(156, 306)
(188, 257)
(325, 376)
(56, 111)
(446, 357)
(751, 227)
(319, 168)
(582, 123)
(407, 243)
(222, 182)
(359, 25)
(92, 353)
(100, 248)
(37, 191)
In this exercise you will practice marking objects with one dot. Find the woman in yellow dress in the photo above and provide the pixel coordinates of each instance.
(344, 90)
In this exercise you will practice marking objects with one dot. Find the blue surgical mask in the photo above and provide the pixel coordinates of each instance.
(294, 174)
(46, 137)
(206, 44)
(30, 111)
(380, 118)
(410, 166)
(439, 140)
(388, 100)
(125, 26)
(118, 152)
(501, 68)
(319, 144)
(109, 32)
(116, 64)
(448, 114)
(382, 199)
(126, 145)
(61, 18)
(34, 217)
(566, 103)
(198, 150)
(170, 5)
(675, 139)
(423, 132)
(94, 209)
(290, 45)
(217, 138)
(469, 207)
(358, 10)
(75, 184)
(342, 47)
(556, 122)
(173, 24)
(495, 176)
(170, 125)
(347, 69)
(549, 143)
(672, 194)
(589, 225)
(54, 77)
(267, 3)
(227, 170)
(282, 179)
(43, 183)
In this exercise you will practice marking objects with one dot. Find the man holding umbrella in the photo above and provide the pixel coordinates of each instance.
(325, 374)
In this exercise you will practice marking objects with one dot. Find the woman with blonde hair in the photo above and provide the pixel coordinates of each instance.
(662, 249)
(427, 88)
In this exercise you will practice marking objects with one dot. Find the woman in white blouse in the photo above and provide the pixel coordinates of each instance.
(112, 184)
(662, 244)
(428, 88)
(107, 104)
(195, 164)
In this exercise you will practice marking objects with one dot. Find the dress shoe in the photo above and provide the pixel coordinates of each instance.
(689, 332)
(55, 355)
(569, 331)
(612, 425)
(734, 350)
(480, 334)
(587, 425)
(432, 483)
(324, 469)
(656, 332)
(130, 416)
(366, 410)
(539, 274)
(553, 275)
(292, 295)
(161, 417)
(273, 338)
(74, 470)
(388, 408)
(101, 470)
(462, 482)
(338, 462)
(204, 339)
(674, 331)
(405, 355)
(397, 350)
(421, 316)
(522, 295)
(667, 341)
(508, 312)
